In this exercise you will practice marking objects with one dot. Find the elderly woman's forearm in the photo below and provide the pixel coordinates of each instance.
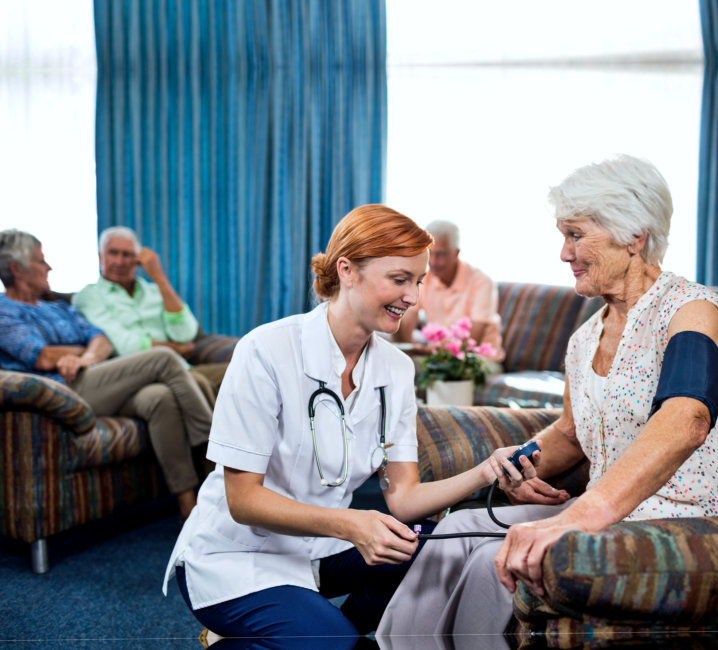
(561, 450)
(668, 440)
(98, 349)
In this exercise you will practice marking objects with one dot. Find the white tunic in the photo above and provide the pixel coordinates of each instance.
(261, 424)
(605, 433)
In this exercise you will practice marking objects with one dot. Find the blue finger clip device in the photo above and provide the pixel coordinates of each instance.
(527, 449)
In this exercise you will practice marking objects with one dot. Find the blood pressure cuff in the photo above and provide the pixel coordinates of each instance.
(690, 369)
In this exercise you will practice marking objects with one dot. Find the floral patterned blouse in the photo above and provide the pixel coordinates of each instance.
(604, 434)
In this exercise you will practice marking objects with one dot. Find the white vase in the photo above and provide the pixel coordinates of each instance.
(458, 393)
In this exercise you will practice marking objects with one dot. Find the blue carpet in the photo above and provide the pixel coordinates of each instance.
(104, 587)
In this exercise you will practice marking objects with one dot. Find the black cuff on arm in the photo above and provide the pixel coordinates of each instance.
(690, 369)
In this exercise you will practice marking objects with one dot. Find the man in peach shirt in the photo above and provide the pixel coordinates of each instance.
(454, 289)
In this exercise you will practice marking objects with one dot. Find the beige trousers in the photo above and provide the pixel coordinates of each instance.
(156, 386)
(209, 378)
(452, 591)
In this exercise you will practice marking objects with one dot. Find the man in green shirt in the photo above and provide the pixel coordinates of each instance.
(136, 314)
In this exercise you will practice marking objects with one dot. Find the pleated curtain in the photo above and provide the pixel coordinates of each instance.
(707, 245)
(232, 136)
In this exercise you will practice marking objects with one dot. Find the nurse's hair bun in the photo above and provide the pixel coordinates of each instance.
(371, 230)
(326, 283)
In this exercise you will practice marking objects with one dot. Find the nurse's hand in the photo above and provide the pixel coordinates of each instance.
(380, 538)
(499, 461)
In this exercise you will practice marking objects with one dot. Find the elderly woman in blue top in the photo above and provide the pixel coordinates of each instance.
(51, 339)
(273, 534)
(641, 403)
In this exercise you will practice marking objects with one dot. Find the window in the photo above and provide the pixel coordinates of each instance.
(491, 103)
(47, 131)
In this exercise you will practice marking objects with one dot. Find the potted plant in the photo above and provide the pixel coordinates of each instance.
(455, 364)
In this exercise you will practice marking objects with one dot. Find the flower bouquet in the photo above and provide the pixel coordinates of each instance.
(454, 355)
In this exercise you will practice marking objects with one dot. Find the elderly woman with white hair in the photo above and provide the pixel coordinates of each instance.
(640, 403)
(52, 339)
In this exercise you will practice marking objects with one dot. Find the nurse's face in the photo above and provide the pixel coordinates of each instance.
(383, 288)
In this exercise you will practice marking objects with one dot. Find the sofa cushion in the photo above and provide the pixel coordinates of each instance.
(537, 322)
(661, 572)
(21, 391)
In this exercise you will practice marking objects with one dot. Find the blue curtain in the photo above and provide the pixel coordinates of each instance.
(707, 258)
(232, 136)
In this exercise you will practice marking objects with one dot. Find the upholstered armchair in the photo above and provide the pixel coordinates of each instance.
(62, 466)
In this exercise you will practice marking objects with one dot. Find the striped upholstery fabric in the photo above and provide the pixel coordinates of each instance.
(650, 575)
(537, 322)
(26, 392)
(43, 490)
(112, 440)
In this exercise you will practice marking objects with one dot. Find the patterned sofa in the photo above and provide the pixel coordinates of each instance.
(631, 583)
(537, 322)
(62, 466)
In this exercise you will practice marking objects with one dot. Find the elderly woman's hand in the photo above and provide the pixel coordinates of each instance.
(521, 555)
(69, 365)
(536, 491)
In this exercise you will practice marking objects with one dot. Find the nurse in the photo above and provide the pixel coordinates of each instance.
(272, 535)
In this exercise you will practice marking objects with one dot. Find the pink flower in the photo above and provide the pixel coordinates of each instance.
(485, 350)
(461, 328)
(454, 346)
(434, 333)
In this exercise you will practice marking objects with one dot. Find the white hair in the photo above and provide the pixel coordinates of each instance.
(15, 246)
(118, 231)
(441, 229)
(625, 195)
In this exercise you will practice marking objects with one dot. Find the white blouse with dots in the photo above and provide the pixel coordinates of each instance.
(605, 433)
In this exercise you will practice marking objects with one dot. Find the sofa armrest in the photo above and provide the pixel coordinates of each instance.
(639, 572)
(213, 348)
(21, 391)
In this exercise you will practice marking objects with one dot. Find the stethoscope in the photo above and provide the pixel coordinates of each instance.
(383, 480)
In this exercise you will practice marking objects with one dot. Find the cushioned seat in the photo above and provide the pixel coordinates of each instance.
(62, 467)
(634, 577)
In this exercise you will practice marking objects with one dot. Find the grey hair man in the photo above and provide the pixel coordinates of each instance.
(453, 290)
(138, 314)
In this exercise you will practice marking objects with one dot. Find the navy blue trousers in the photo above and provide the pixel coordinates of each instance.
(282, 616)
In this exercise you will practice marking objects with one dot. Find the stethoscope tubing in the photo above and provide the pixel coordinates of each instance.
(323, 390)
(489, 509)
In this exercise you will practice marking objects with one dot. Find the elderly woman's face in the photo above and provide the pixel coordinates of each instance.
(597, 263)
(34, 277)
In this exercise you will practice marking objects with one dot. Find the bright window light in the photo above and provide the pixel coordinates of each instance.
(47, 131)
(491, 103)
